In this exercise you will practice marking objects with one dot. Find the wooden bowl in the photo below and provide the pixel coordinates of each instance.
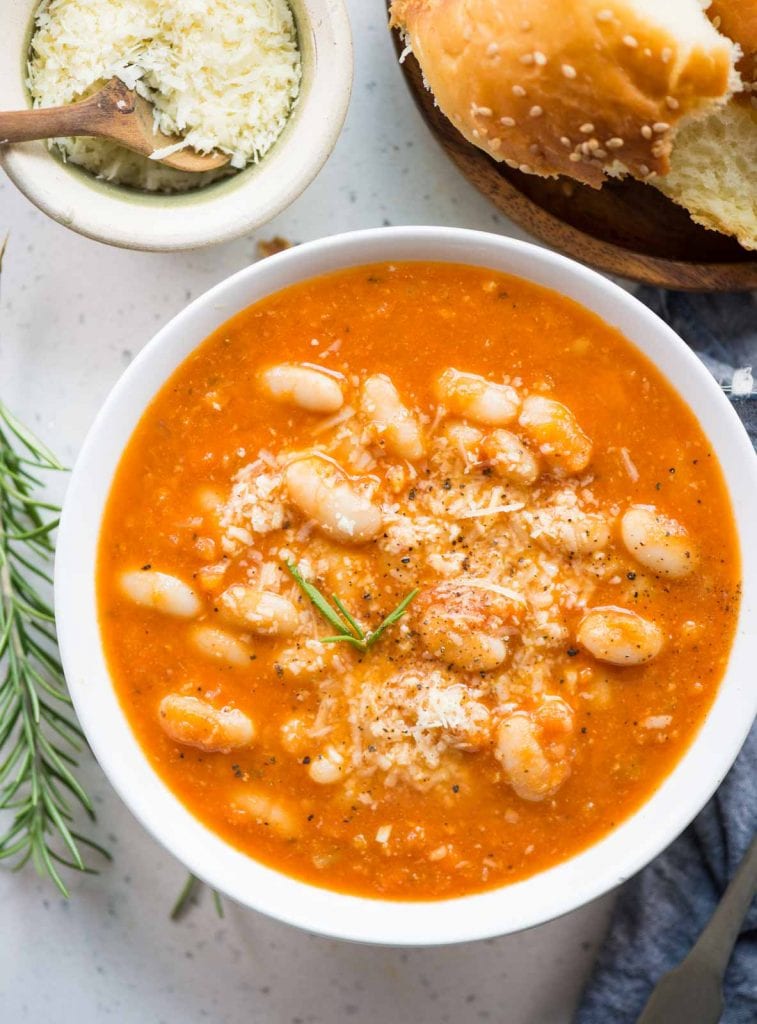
(625, 228)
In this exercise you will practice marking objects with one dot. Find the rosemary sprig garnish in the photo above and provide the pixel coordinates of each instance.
(39, 736)
(348, 629)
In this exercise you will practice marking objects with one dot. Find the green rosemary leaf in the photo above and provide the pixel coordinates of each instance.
(359, 645)
(39, 736)
(186, 897)
(218, 903)
(357, 628)
(391, 618)
(319, 601)
(349, 629)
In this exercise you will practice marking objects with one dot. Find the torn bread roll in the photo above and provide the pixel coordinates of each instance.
(713, 164)
(596, 88)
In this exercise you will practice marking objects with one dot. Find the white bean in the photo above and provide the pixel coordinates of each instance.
(533, 748)
(265, 810)
(323, 493)
(465, 440)
(260, 611)
(161, 592)
(220, 645)
(658, 542)
(197, 723)
(477, 399)
(619, 636)
(304, 387)
(510, 458)
(325, 769)
(391, 422)
(555, 431)
(466, 625)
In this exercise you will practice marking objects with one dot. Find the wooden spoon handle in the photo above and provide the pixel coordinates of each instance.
(88, 117)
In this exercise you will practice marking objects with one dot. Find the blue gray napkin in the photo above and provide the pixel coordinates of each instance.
(661, 912)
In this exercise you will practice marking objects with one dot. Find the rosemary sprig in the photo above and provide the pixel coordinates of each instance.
(39, 736)
(188, 898)
(348, 628)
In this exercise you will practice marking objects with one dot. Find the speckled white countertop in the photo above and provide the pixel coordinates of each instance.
(73, 314)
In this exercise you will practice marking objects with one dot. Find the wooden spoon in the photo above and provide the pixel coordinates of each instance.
(114, 112)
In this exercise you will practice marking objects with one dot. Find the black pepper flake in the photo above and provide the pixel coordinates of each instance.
(411, 494)
(146, 567)
(456, 788)
(279, 670)
(306, 760)
(572, 652)
(447, 484)
(405, 561)
(583, 728)
(310, 817)
(631, 575)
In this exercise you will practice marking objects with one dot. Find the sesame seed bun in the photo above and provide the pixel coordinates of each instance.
(583, 88)
(737, 19)
(713, 164)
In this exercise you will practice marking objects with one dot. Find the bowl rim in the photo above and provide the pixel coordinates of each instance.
(221, 211)
(544, 896)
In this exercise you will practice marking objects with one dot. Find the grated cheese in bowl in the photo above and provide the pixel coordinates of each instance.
(223, 74)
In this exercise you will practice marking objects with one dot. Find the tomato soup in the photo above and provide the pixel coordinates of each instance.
(416, 579)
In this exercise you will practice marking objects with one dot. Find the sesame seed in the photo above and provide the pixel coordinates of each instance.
(569, 71)
(665, 54)
(614, 143)
(495, 144)
(646, 131)
(527, 58)
(518, 90)
(659, 148)
(565, 141)
(476, 134)
(492, 49)
(540, 58)
(508, 122)
(587, 128)
(535, 111)
(485, 111)
(574, 157)
(526, 168)
(534, 148)
(672, 102)
(593, 143)
(647, 52)
(631, 41)
(604, 15)
(660, 127)
(600, 154)
(716, 21)
(512, 163)
(643, 170)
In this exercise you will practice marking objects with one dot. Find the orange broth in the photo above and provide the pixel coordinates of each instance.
(411, 321)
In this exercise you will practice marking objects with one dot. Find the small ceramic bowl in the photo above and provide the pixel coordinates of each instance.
(543, 896)
(218, 212)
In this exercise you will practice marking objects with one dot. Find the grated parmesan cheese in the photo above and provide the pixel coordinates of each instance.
(223, 74)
